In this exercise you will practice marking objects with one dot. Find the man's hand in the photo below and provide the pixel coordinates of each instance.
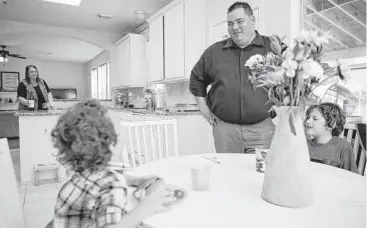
(208, 115)
(205, 111)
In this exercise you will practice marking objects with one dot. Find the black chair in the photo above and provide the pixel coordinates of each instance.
(361, 154)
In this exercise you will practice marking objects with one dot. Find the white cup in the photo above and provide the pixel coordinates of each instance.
(31, 103)
(200, 175)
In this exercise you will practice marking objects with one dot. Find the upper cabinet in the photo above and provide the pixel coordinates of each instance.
(174, 42)
(131, 61)
(115, 76)
(155, 54)
(195, 33)
(177, 36)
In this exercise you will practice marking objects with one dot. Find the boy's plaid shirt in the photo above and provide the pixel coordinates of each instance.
(91, 200)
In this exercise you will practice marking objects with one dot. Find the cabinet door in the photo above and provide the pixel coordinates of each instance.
(195, 33)
(174, 43)
(36, 145)
(116, 75)
(124, 52)
(138, 62)
(155, 49)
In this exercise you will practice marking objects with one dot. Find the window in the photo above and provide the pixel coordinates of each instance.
(100, 81)
(345, 20)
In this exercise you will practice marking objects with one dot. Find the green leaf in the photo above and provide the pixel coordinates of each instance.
(291, 124)
(302, 104)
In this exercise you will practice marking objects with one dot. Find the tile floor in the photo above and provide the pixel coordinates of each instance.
(38, 201)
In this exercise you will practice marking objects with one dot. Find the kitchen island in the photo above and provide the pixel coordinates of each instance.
(194, 135)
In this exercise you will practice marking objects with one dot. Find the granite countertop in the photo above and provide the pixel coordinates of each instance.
(155, 113)
(118, 109)
(80, 99)
(40, 112)
(7, 112)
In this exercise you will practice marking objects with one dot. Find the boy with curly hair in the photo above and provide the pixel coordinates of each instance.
(325, 122)
(95, 196)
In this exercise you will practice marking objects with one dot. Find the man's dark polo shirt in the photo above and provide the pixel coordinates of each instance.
(231, 97)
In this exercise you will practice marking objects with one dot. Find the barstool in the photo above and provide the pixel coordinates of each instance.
(43, 167)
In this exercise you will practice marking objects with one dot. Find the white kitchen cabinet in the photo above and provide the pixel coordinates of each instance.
(179, 43)
(132, 60)
(155, 50)
(36, 145)
(115, 76)
(195, 135)
(174, 42)
(195, 33)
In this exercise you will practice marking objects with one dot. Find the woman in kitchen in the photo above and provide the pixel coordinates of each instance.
(34, 91)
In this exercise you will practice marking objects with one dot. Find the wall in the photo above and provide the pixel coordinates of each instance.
(56, 74)
(65, 75)
(94, 63)
(282, 17)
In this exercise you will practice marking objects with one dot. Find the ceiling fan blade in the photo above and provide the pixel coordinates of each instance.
(16, 56)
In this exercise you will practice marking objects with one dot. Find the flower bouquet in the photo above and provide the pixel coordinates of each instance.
(291, 79)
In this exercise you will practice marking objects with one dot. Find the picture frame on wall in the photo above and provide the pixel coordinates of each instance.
(9, 81)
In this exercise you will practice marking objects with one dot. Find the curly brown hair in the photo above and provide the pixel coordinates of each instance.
(333, 115)
(83, 137)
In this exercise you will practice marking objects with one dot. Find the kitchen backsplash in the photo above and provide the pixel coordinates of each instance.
(177, 93)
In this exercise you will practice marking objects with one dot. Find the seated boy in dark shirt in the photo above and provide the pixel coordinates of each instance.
(324, 123)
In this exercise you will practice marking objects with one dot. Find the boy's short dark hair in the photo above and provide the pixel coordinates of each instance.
(246, 7)
(333, 115)
(83, 136)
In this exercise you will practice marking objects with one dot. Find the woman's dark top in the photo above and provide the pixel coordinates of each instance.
(22, 92)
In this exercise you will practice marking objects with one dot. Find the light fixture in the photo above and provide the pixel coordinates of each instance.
(3, 59)
(140, 15)
(66, 2)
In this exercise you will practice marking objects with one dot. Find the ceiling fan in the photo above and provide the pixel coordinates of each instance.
(5, 54)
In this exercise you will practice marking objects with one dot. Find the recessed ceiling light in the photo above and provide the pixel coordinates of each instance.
(45, 53)
(66, 2)
(139, 14)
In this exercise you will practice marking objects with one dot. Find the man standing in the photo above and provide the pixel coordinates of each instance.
(239, 114)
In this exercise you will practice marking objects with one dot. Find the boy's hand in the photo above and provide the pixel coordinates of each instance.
(157, 201)
(149, 183)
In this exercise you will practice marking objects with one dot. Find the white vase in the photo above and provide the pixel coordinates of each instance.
(287, 180)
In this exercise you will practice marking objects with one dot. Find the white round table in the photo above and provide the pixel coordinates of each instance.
(234, 198)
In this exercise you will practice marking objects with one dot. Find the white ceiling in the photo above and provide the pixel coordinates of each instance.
(50, 18)
(35, 45)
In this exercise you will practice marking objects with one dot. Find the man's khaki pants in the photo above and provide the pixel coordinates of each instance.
(234, 138)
